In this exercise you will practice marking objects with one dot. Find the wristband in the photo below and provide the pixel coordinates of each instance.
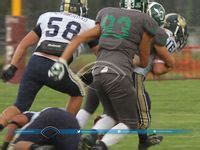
(158, 61)
(63, 61)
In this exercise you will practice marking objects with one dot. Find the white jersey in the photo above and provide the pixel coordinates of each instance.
(171, 47)
(171, 43)
(58, 29)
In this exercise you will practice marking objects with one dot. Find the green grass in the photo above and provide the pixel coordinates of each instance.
(175, 105)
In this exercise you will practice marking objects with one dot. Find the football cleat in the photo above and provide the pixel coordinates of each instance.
(152, 140)
(87, 142)
(100, 146)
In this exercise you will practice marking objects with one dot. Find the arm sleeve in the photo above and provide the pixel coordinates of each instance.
(38, 30)
(150, 25)
(161, 37)
(98, 17)
(93, 43)
(41, 18)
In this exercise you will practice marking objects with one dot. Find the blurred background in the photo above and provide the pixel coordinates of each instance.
(188, 61)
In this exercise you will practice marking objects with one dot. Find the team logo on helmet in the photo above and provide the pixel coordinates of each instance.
(157, 12)
(178, 26)
(181, 21)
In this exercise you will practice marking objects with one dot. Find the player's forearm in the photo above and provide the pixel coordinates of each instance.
(74, 104)
(84, 37)
(164, 55)
(11, 128)
(144, 49)
(19, 53)
(71, 47)
(30, 39)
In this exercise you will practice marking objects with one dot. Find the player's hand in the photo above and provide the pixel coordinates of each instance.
(136, 60)
(9, 73)
(57, 71)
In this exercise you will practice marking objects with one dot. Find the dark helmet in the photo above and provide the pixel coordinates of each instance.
(78, 7)
(134, 4)
(178, 26)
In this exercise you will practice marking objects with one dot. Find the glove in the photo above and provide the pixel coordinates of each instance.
(87, 77)
(9, 73)
(4, 146)
(57, 71)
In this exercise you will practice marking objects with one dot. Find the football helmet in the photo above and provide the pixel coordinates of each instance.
(157, 12)
(134, 4)
(78, 7)
(178, 26)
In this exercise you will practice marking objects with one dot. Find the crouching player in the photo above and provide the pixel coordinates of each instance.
(44, 130)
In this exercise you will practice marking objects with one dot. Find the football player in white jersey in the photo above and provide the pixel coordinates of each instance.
(54, 30)
(176, 28)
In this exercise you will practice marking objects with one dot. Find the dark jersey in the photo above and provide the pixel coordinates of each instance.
(51, 126)
(161, 37)
(121, 35)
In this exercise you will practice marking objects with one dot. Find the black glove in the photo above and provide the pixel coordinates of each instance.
(87, 77)
(5, 146)
(9, 73)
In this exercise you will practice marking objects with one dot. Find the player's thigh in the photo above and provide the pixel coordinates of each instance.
(143, 104)
(69, 84)
(124, 101)
(103, 96)
(92, 100)
(29, 87)
(142, 94)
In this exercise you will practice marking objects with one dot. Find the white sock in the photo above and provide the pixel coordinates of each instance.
(82, 117)
(111, 139)
(106, 122)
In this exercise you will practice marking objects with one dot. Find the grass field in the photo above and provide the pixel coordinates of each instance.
(175, 105)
